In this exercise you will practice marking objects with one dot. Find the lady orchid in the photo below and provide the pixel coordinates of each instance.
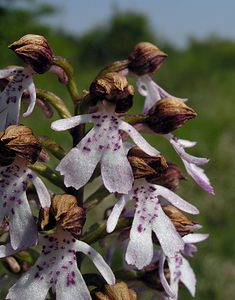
(102, 143)
(56, 268)
(149, 216)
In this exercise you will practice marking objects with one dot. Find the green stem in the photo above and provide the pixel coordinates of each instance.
(99, 232)
(55, 101)
(71, 84)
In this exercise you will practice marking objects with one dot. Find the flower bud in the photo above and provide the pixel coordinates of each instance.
(35, 51)
(65, 212)
(18, 140)
(181, 222)
(113, 88)
(145, 58)
(118, 291)
(169, 114)
(144, 165)
(11, 264)
(169, 179)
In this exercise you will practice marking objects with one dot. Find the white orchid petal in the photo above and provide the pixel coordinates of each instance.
(187, 143)
(42, 191)
(27, 287)
(169, 239)
(176, 200)
(72, 291)
(116, 212)
(23, 230)
(7, 250)
(68, 123)
(162, 277)
(140, 248)
(32, 97)
(116, 171)
(98, 261)
(138, 139)
(8, 72)
(188, 277)
(195, 237)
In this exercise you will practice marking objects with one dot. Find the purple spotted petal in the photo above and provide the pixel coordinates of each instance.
(140, 248)
(10, 97)
(57, 268)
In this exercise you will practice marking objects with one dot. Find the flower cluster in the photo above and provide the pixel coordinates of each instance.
(156, 232)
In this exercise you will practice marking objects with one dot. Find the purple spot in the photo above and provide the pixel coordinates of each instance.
(87, 149)
(140, 228)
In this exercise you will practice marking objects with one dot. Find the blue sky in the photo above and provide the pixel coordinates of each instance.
(175, 20)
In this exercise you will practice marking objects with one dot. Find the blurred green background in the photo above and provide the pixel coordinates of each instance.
(204, 72)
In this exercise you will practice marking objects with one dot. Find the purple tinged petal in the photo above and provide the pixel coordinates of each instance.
(176, 200)
(169, 239)
(199, 176)
(138, 139)
(32, 95)
(116, 212)
(64, 124)
(42, 191)
(140, 248)
(98, 261)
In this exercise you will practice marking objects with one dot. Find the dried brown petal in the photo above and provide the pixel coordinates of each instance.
(35, 51)
(114, 88)
(169, 114)
(68, 214)
(170, 178)
(46, 221)
(118, 291)
(181, 222)
(18, 140)
(144, 165)
(145, 58)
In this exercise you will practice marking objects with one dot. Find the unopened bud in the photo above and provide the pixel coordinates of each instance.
(181, 222)
(118, 291)
(113, 88)
(144, 165)
(18, 140)
(169, 179)
(35, 51)
(169, 114)
(11, 264)
(65, 212)
(145, 58)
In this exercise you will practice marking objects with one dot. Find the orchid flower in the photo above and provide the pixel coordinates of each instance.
(14, 203)
(102, 143)
(10, 97)
(56, 267)
(180, 269)
(152, 92)
(191, 162)
(149, 216)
